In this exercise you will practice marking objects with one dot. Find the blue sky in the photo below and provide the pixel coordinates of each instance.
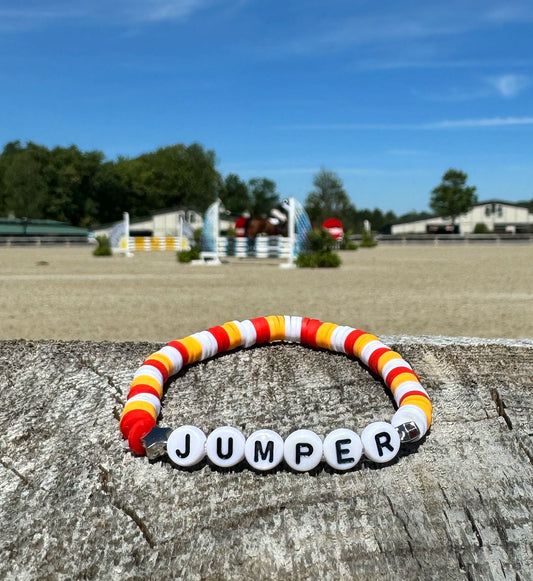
(387, 94)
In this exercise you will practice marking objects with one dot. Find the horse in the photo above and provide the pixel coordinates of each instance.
(277, 224)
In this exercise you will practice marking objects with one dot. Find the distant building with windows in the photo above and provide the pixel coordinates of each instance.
(499, 217)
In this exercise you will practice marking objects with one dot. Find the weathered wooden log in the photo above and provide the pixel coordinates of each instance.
(75, 504)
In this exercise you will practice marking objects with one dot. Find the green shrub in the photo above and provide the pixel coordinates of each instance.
(187, 255)
(481, 228)
(367, 239)
(320, 253)
(103, 248)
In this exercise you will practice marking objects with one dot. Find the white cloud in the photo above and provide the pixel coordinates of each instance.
(510, 85)
(444, 124)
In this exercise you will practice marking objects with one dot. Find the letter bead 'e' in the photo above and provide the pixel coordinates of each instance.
(264, 449)
(303, 450)
(225, 446)
(381, 442)
(342, 449)
(186, 446)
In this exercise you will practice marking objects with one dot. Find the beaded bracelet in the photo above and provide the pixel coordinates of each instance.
(303, 449)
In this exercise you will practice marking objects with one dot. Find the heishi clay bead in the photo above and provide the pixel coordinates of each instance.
(186, 446)
(225, 446)
(342, 449)
(264, 449)
(381, 442)
(303, 450)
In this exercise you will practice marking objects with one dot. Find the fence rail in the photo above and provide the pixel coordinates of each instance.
(436, 239)
(17, 241)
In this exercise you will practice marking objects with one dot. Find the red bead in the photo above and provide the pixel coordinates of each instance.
(309, 331)
(222, 337)
(131, 418)
(374, 358)
(159, 366)
(351, 339)
(397, 371)
(413, 392)
(141, 388)
(262, 329)
(137, 431)
(182, 350)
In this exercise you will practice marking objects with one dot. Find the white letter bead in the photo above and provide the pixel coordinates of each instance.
(303, 450)
(264, 449)
(381, 442)
(342, 449)
(186, 446)
(225, 446)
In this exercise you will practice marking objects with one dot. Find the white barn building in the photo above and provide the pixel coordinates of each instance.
(497, 215)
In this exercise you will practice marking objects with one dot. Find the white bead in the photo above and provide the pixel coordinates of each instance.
(338, 338)
(248, 332)
(406, 387)
(411, 413)
(149, 398)
(342, 449)
(208, 342)
(369, 348)
(293, 328)
(381, 442)
(303, 450)
(151, 371)
(393, 364)
(186, 446)
(264, 449)
(225, 446)
(175, 356)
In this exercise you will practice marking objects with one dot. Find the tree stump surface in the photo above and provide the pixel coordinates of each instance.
(74, 504)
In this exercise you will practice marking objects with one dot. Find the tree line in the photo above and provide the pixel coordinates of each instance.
(83, 188)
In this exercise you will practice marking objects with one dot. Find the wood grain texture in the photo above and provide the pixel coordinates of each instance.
(75, 505)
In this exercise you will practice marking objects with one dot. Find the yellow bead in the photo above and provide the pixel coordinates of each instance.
(422, 402)
(361, 342)
(148, 380)
(385, 358)
(277, 327)
(235, 339)
(194, 348)
(402, 378)
(166, 361)
(323, 335)
(140, 405)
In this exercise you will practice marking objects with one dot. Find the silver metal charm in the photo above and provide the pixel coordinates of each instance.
(155, 441)
(408, 432)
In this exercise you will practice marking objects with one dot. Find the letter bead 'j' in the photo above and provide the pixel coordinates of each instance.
(186, 446)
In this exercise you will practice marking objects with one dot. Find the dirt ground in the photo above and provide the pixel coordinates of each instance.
(457, 290)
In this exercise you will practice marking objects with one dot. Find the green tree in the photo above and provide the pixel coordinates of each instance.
(328, 199)
(263, 196)
(24, 185)
(235, 195)
(452, 197)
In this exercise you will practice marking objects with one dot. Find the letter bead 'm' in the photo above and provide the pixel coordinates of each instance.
(225, 446)
(303, 450)
(186, 446)
(342, 449)
(381, 442)
(264, 449)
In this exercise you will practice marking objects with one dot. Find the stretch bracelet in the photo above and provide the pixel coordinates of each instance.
(303, 449)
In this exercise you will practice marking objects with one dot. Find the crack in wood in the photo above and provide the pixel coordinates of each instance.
(129, 512)
(500, 406)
